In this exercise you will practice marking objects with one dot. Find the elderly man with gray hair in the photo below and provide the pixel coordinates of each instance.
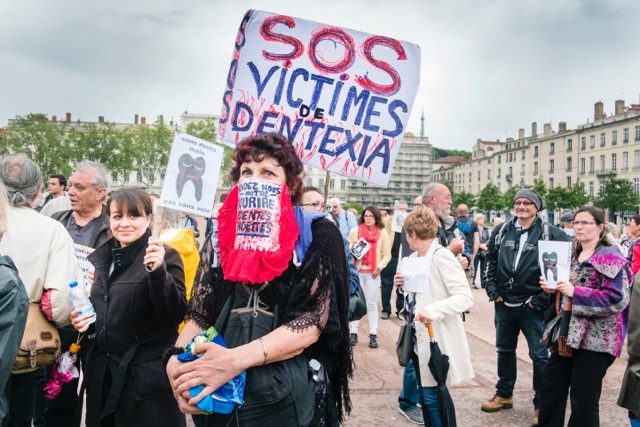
(44, 255)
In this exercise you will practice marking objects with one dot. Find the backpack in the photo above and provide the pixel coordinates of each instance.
(498, 242)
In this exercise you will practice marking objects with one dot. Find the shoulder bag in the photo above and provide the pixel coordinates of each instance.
(40, 344)
(404, 345)
(357, 304)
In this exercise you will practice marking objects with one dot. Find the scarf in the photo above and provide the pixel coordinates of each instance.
(257, 231)
(304, 220)
(372, 237)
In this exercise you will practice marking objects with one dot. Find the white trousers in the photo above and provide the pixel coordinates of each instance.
(371, 288)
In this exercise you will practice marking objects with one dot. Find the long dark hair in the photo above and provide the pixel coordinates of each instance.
(600, 219)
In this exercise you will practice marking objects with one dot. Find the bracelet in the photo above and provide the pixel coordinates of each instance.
(264, 351)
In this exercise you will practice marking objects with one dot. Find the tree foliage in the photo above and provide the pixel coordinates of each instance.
(617, 196)
(490, 199)
(42, 141)
(464, 197)
(152, 147)
(206, 129)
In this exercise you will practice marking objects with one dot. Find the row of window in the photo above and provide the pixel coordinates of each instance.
(591, 186)
(614, 138)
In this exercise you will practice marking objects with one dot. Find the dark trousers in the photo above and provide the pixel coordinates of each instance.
(509, 322)
(580, 376)
(386, 280)
(21, 393)
(482, 263)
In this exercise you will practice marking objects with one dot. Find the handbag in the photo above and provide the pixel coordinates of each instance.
(556, 331)
(40, 344)
(404, 345)
(357, 304)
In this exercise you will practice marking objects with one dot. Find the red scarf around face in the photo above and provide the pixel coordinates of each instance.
(256, 240)
(372, 237)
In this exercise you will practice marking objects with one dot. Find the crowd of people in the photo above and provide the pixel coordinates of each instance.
(280, 298)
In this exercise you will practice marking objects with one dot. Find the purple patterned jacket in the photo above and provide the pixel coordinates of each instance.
(600, 302)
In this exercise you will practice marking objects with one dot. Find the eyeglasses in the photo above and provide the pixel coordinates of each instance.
(582, 223)
(523, 203)
(369, 216)
(445, 196)
(316, 205)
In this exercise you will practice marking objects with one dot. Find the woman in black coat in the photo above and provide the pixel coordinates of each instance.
(138, 294)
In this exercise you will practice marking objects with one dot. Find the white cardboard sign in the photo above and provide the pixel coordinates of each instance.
(192, 175)
(343, 97)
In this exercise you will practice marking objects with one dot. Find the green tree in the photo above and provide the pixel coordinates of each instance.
(357, 206)
(464, 197)
(490, 199)
(206, 129)
(617, 195)
(152, 145)
(42, 141)
(122, 163)
(578, 195)
(558, 198)
(540, 187)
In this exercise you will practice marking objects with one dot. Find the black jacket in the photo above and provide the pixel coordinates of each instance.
(516, 285)
(138, 313)
(101, 233)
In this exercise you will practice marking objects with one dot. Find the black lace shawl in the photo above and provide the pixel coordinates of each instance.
(304, 302)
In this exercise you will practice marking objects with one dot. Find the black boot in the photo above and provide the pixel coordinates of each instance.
(354, 339)
(373, 341)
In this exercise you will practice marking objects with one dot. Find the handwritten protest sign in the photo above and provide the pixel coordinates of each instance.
(258, 215)
(82, 252)
(192, 175)
(342, 97)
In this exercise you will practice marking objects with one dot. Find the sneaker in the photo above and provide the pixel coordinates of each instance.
(384, 315)
(354, 339)
(373, 341)
(497, 403)
(414, 415)
(536, 413)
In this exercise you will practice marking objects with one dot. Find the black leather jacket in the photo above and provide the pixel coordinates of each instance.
(517, 284)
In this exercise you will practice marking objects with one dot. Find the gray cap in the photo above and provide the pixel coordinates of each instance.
(534, 197)
(568, 217)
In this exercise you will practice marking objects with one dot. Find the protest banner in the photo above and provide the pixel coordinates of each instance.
(343, 97)
(192, 175)
(82, 253)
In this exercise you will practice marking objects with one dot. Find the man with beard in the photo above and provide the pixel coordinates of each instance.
(513, 283)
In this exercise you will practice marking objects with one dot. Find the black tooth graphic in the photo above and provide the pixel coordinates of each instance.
(190, 170)
(550, 261)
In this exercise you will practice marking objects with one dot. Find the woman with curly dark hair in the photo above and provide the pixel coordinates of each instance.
(370, 264)
(279, 298)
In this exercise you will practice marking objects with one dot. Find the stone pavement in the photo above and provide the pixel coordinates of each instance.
(378, 378)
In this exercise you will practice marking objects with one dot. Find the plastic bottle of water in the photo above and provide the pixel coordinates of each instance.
(81, 301)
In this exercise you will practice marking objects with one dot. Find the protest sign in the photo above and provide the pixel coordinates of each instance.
(555, 261)
(192, 175)
(341, 96)
(257, 226)
(82, 252)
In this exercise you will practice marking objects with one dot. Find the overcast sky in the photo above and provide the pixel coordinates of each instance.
(488, 67)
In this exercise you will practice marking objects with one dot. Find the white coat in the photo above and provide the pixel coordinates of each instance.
(448, 295)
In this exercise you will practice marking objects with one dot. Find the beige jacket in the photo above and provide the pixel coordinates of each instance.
(43, 252)
(448, 295)
(383, 248)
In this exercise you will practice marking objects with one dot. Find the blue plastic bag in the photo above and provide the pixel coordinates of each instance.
(224, 399)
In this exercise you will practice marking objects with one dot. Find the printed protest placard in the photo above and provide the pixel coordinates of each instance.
(258, 215)
(555, 261)
(343, 97)
(82, 252)
(192, 175)
(360, 248)
(397, 220)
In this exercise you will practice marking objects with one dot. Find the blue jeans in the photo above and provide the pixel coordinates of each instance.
(431, 406)
(509, 321)
(409, 396)
(634, 422)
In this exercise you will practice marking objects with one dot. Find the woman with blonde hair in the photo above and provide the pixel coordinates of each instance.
(437, 293)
